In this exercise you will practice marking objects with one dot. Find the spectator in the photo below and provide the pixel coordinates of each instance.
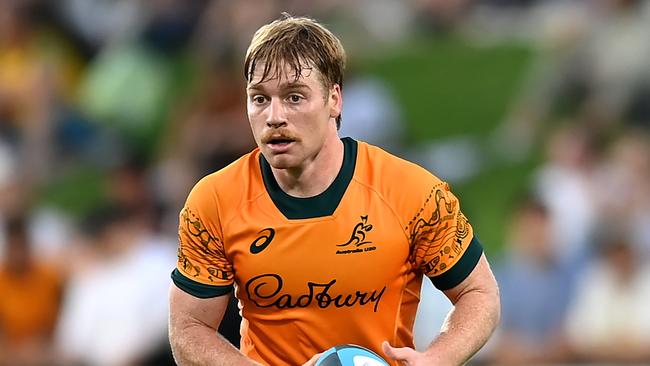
(112, 312)
(567, 186)
(29, 301)
(609, 319)
(535, 289)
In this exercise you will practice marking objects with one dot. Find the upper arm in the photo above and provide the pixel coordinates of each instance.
(443, 245)
(203, 278)
(480, 279)
(203, 267)
(187, 310)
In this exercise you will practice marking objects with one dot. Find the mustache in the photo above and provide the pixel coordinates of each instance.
(278, 135)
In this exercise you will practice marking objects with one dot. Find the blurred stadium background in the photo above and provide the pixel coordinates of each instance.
(536, 112)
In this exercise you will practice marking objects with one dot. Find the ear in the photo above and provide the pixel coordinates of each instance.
(335, 101)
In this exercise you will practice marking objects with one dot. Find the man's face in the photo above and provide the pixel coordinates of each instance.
(291, 118)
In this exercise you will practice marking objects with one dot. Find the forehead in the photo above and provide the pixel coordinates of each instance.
(283, 74)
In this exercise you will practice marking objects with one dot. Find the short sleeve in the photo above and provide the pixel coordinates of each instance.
(443, 245)
(203, 269)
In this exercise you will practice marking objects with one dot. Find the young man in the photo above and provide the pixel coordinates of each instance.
(326, 240)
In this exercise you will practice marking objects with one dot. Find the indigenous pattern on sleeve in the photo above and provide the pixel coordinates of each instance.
(439, 233)
(201, 254)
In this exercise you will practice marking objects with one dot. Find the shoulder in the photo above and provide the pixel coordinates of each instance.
(404, 186)
(390, 173)
(238, 181)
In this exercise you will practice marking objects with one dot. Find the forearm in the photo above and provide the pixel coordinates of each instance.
(466, 329)
(198, 344)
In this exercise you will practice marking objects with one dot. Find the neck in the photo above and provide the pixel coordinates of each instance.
(316, 174)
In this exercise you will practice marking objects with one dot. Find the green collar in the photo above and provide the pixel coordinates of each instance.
(320, 205)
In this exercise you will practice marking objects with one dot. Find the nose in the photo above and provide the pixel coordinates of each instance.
(276, 116)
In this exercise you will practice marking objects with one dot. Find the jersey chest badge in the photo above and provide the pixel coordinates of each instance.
(358, 241)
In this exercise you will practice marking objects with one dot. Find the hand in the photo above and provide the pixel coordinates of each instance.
(407, 355)
(312, 360)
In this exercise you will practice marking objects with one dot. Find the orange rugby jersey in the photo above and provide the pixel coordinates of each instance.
(342, 267)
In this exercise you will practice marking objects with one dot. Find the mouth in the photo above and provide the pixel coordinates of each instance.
(279, 143)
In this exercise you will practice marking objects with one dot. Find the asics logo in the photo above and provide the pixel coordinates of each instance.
(263, 240)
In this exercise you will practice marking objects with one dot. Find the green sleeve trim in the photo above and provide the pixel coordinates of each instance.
(198, 289)
(465, 265)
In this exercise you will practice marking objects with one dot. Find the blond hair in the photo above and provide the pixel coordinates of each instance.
(300, 43)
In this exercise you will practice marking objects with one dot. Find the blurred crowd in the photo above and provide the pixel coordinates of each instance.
(127, 103)
(574, 272)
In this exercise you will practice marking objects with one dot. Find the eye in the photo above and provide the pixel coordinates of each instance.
(295, 98)
(258, 99)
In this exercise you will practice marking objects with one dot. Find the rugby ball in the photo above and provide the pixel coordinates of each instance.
(350, 355)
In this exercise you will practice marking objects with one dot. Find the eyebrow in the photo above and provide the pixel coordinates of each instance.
(284, 86)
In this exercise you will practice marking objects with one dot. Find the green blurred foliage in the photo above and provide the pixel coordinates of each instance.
(449, 86)
(77, 191)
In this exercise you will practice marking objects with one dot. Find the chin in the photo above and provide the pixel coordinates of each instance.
(281, 162)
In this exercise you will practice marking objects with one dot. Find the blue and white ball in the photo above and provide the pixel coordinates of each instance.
(350, 355)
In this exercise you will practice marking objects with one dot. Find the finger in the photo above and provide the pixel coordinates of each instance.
(313, 359)
(402, 353)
